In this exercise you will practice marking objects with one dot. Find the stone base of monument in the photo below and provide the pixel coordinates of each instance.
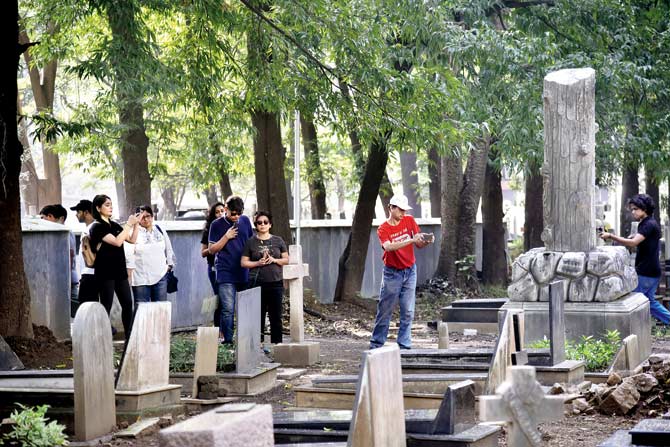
(629, 315)
(304, 353)
(257, 381)
(153, 402)
(569, 371)
(411, 383)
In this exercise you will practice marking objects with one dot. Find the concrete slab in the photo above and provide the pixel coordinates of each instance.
(305, 353)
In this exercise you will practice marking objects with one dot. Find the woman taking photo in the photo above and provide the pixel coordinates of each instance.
(264, 255)
(151, 259)
(111, 276)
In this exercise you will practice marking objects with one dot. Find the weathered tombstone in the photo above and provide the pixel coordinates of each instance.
(457, 411)
(248, 334)
(94, 407)
(443, 335)
(627, 357)
(8, 359)
(597, 275)
(206, 351)
(522, 404)
(298, 352)
(502, 353)
(231, 425)
(557, 293)
(378, 418)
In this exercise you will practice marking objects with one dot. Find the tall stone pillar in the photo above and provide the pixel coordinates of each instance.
(569, 160)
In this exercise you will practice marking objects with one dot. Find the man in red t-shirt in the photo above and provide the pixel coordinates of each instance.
(398, 236)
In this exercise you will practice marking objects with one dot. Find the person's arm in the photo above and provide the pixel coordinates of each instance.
(393, 246)
(136, 231)
(204, 250)
(626, 242)
(123, 235)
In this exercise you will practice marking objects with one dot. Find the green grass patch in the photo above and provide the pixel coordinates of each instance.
(597, 354)
(182, 355)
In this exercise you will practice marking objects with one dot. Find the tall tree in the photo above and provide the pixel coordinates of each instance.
(410, 181)
(494, 259)
(434, 175)
(317, 187)
(14, 294)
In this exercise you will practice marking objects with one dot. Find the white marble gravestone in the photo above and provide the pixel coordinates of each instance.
(248, 333)
(521, 403)
(206, 351)
(94, 406)
(443, 335)
(378, 418)
(298, 352)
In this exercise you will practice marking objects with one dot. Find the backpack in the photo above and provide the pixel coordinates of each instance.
(87, 250)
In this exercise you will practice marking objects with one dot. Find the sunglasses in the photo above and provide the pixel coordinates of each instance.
(234, 213)
(262, 222)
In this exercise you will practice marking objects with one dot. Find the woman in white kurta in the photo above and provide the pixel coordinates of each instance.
(150, 260)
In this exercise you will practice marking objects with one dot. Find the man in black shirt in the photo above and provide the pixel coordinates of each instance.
(646, 240)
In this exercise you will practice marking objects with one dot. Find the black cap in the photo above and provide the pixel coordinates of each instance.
(83, 205)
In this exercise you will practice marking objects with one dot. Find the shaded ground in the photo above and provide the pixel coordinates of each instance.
(42, 352)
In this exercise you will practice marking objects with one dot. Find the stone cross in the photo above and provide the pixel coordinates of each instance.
(94, 402)
(522, 404)
(294, 272)
(206, 351)
(378, 418)
(557, 294)
(146, 363)
(248, 334)
(569, 160)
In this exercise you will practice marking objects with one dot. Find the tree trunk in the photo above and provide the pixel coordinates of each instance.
(471, 193)
(651, 188)
(352, 261)
(29, 179)
(340, 197)
(15, 317)
(630, 185)
(169, 203)
(410, 181)
(385, 194)
(269, 162)
(494, 259)
(534, 218)
(210, 194)
(317, 187)
(134, 142)
(452, 180)
(224, 184)
(434, 175)
(43, 85)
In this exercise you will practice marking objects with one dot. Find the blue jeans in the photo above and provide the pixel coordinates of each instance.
(227, 295)
(647, 286)
(397, 286)
(148, 294)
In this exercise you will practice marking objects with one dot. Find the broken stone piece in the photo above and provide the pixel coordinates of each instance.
(614, 379)
(644, 382)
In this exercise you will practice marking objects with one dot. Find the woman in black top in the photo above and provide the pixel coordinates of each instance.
(264, 255)
(107, 238)
(215, 211)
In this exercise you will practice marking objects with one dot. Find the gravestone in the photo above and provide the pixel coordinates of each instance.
(94, 407)
(502, 353)
(654, 432)
(206, 351)
(443, 335)
(597, 279)
(231, 425)
(248, 334)
(457, 411)
(557, 294)
(378, 418)
(8, 359)
(522, 404)
(627, 357)
(298, 352)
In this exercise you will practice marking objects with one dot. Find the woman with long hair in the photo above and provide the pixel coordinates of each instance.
(264, 255)
(107, 238)
(215, 211)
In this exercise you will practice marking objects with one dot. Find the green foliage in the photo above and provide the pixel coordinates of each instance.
(30, 429)
(515, 248)
(493, 291)
(182, 355)
(597, 354)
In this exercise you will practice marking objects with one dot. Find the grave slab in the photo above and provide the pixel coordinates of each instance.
(654, 432)
(232, 425)
(94, 407)
(248, 333)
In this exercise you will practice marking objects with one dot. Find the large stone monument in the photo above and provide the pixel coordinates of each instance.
(298, 352)
(597, 280)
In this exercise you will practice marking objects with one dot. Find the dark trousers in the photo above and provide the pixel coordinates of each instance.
(88, 291)
(211, 273)
(272, 295)
(107, 289)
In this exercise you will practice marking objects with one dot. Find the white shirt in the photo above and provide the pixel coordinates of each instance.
(150, 256)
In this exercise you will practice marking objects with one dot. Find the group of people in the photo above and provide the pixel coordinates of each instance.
(238, 258)
(134, 256)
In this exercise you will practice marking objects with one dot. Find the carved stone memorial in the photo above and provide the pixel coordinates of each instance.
(598, 279)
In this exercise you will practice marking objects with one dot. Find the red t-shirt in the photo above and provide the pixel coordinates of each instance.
(405, 230)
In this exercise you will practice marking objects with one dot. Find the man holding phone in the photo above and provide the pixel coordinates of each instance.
(227, 237)
(398, 236)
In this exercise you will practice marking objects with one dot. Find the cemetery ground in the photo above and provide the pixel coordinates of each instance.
(343, 330)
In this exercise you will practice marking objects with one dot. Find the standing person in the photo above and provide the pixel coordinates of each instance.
(57, 213)
(398, 236)
(264, 254)
(227, 237)
(151, 259)
(111, 276)
(215, 211)
(646, 240)
(87, 286)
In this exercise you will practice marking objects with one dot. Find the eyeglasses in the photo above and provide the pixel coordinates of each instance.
(262, 222)
(234, 213)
